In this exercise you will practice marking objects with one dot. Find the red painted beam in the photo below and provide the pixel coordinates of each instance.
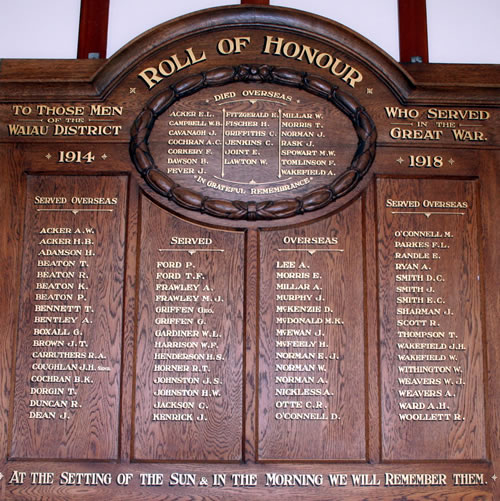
(255, 2)
(413, 46)
(93, 34)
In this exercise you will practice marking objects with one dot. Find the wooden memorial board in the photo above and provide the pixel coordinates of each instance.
(249, 257)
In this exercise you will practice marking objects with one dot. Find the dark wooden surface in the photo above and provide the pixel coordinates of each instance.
(332, 275)
(241, 435)
(215, 305)
(92, 282)
(448, 295)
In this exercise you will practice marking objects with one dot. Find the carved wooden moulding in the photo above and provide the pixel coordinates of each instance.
(271, 143)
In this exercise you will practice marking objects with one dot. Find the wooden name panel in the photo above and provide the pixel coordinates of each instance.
(189, 366)
(431, 334)
(312, 341)
(69, 348)
(249, 257)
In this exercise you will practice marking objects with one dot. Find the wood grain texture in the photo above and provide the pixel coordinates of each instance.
(372, 339)
(314, 198)
(127, 368)
(166, 492)
(82, 343)
(490, 245)
(312, 394)
(190, 299)
(432, 388)
(12, 188)
(251, 346)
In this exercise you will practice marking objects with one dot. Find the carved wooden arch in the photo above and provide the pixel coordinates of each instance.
(386, 69)
(243, 209)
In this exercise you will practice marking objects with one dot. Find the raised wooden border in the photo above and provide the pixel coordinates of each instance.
(449, 84)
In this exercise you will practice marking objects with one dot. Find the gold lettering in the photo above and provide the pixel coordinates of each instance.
(168, 67)
(276, 46)
(435, 113)
(107, 111)
(419, 134)
(47, 110)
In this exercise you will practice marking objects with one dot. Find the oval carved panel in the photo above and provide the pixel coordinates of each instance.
(271, 143)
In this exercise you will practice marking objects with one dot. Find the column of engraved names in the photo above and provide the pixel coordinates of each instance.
(70, 322)
(424, 321)
(299, 153)
(311, 341)
(247, 142)
(305, 324)
(189, 343)
(277, 142)
(431, 333)
(62, 314)
(63, 311)
(191, 136)
(186, 346)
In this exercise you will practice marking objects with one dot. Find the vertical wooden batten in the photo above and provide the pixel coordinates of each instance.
(93, 31)
(413, 46)
(255, 2)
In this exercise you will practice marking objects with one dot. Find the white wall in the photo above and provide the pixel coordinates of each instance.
(460, 31)
(376, 20)
(39, 29)
(383, 32)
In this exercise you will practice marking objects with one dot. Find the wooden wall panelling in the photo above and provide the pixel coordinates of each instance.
(430, 320)
(437, 140)
(189, 362)
(12, 187)
(67, 370)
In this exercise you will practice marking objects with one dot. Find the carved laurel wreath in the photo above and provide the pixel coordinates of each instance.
(252, 210)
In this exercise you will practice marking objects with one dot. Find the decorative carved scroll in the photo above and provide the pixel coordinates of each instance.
(243, 209)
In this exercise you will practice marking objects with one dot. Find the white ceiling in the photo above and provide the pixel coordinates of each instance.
(459, 31)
